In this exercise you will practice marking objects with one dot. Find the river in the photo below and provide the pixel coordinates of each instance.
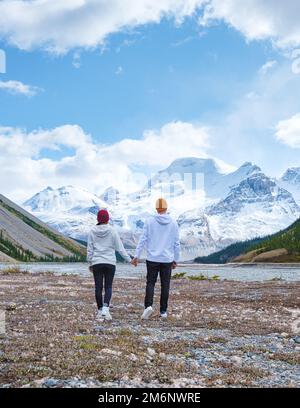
(230, 272)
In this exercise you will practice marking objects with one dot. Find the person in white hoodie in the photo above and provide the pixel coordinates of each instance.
(160, 238)
(103, 242)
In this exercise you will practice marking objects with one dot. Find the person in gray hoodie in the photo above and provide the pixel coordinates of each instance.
(160, 238)
(103, 242)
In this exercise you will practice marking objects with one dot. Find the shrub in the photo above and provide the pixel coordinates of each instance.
(178, 275)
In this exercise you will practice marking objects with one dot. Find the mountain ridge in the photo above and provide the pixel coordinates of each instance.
(225, 208)
(24, 237)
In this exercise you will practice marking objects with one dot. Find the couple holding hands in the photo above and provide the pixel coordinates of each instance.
(160, 239)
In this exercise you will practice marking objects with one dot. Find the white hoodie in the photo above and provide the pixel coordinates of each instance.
(160, 237)
(103, 242)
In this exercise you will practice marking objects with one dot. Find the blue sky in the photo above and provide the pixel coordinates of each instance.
(167, 73)
(144, 77)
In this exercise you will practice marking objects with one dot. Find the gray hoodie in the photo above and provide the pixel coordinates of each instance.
(160, 238)
(103, 242)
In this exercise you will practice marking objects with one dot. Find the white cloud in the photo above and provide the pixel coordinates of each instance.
(183, 41)
(259, 19)
(2, 62)
(76, 61)
(119, 70)
(288, 131)
(26, 169)
(262, 106)
(17, 87)
(248, 124)
(59, 26)
(267, 66)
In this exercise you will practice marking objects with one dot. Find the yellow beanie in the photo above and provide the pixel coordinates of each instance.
(161, 204)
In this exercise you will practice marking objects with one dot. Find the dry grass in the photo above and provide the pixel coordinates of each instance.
(293, 359)
(11, 270)
(51, 332)
(237, 375)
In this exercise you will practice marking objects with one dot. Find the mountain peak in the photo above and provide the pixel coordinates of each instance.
(68, 187)
(246, 170)
(249, 165)
(110, 195)
(292, 175)
(256, 189)
(64, 198)
(192, 164)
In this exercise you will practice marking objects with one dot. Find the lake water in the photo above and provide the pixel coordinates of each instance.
(230, 272)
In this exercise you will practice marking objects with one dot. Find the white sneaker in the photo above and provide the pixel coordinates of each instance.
(164, 315)
(105, 313)
(99, 315)
(147, 313)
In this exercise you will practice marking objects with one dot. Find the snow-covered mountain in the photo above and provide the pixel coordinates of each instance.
(196, 174)
(195, 234)
(291, 182)
(66, 198)
(213, 207)
(110, 196)
(68, 209)
(255, 207)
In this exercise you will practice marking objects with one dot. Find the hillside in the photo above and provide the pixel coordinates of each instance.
(284, 246)
(24, 237)
(228, 253)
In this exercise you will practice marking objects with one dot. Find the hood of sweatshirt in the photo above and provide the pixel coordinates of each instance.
(163, 219)
(101, 230)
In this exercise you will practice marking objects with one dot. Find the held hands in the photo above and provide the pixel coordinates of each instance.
(134, 262)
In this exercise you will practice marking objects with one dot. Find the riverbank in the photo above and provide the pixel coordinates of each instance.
(219, 334)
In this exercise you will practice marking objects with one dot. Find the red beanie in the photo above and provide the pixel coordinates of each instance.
(103, 216)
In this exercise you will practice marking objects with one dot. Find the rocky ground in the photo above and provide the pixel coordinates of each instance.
(218, 334)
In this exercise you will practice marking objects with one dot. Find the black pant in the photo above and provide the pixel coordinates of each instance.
(104, 272)
(164, 270)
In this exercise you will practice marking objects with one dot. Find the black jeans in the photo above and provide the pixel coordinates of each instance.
(104, 272)
(164, 270)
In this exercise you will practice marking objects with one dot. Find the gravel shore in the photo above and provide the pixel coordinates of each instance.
(218, 334)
